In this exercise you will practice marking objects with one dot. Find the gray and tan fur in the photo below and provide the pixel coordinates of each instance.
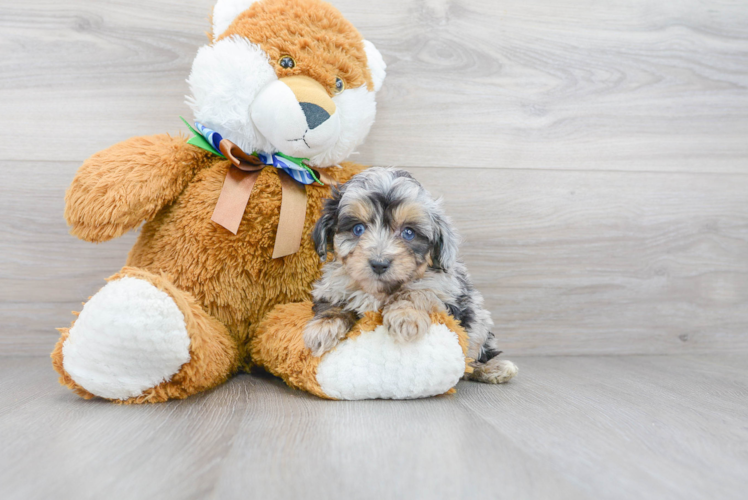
(404, 263)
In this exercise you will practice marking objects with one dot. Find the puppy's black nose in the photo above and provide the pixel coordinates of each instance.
(315, 115)
(380, 266)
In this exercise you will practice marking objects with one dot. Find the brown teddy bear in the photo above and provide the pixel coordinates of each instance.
(282, 95)
(217, 280)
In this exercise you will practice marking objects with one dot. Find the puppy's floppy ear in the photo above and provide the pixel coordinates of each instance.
(445, 244)
(324, 230)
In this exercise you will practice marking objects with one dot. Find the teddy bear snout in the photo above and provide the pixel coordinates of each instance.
(315, 115)
(297, 116)
(309, 91)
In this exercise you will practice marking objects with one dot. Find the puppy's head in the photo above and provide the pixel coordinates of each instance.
(385, 229)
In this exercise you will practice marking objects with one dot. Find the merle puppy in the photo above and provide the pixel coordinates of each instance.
(396, 252)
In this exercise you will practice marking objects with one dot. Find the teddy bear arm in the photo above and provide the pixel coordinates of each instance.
(118, 188)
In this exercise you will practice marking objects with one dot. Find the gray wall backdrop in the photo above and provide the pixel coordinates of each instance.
(594, 155)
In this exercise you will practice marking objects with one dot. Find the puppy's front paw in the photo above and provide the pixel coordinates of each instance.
(322, 334)
(406, 324)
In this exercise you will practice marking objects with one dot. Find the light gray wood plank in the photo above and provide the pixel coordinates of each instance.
(662, 420)
(649, 427)
(607, 262)
(93, 449)
(635, 85)
(569, 262)
(29, 327)
(424, 449)
(45, 273)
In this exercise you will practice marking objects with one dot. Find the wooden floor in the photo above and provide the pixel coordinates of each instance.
(597, 427)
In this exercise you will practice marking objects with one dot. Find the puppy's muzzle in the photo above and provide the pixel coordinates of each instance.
(380, 266)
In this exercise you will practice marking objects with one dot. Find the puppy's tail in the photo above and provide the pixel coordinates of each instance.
(489, 351)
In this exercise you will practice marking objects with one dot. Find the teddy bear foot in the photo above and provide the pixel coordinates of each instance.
(133, 342)
(375, 365)
(369, 363)
(129, 337)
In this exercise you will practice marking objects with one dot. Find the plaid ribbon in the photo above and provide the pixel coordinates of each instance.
(294, 167)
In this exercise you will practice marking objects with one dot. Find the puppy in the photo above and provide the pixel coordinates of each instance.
(395, 251)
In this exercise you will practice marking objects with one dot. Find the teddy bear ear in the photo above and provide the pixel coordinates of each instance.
(376, 64)
(224, 13)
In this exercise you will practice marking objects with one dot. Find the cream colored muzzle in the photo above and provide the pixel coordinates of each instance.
(313, 99)
(297, 116)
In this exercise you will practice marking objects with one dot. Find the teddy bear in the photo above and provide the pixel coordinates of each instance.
(282, 95)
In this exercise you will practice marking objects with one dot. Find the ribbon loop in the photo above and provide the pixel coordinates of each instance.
(240, 179)
(292, 216)
(237, 189)
(235, 193)
(239, 158)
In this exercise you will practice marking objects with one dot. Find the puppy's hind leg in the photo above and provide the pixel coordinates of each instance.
(495, 371)
(488, 368)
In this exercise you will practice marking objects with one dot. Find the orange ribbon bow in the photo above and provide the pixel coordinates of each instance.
(237, 189)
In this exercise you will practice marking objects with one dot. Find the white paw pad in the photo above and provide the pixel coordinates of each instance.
(129, 337)
(373, 365)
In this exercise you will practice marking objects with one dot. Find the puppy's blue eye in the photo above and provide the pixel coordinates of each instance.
(408, 234)
(359, 229)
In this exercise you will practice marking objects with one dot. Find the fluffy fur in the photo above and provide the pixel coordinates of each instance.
(128, 312)
(377, 67)
(403, 262)
(237, 82)
(324, 44)
(374, 366)
(231, 279)
(224, 13)
(368, 364)
(117, 189)
(210, 289)
(212, 355)
(232, 276)
(222, 284)
(225, 79)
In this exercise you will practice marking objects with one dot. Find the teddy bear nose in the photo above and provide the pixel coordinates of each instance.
(314, 100)
(315, 114)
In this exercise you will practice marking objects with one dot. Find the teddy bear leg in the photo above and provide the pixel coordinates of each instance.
(141, 339)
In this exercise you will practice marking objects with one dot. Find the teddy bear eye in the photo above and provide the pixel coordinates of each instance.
(339, 85)
(286, 62)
